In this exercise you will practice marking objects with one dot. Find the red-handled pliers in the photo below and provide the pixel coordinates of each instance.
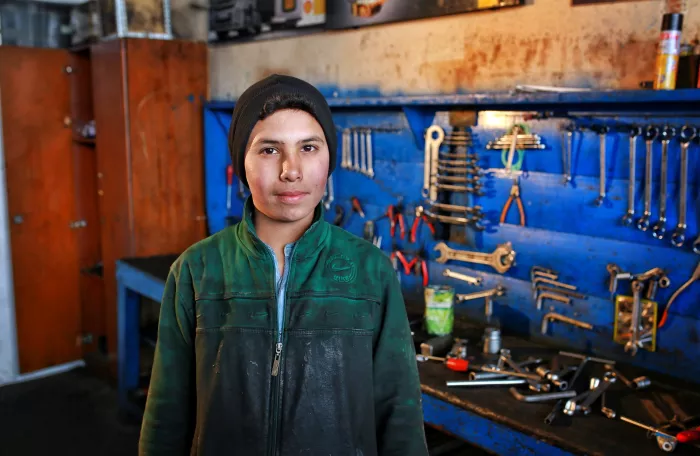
(404, 262)
(419, 265)
(420, 215)
(395, 214)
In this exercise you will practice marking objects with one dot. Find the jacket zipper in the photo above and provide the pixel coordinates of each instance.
(278, 360)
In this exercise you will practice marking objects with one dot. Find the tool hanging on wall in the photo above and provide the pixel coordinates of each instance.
(687, 134)
(602, 132)
(693, 278)
(515, 142)
(627, 219)
(356, 151)
(650, 135)
(567, 131)
(329, 193)
(420, 216)
(659, 228)
(514, 195)
(395, 215)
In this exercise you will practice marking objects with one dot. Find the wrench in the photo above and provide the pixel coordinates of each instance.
(363, 152)
(501, 259)
(634, 132)
(457, 220)
(356, 151)
(687, 134)
(456, 208)
(649, 135)
(330, 193)
(634, 343)
(488, 296)
(568, 133)
(469, 279)
(370, 165)
(665, 441)
(602, 133)
(345, 150)
(432, 147)
(659, 229)
(475, 189)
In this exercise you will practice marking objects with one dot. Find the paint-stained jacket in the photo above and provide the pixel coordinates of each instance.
(346, 383)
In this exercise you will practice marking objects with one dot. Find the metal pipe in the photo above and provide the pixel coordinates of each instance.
(507, 382)
(541, 397)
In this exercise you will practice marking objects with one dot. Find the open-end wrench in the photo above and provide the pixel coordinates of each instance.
(649, 135)
(456, 208)
(458, 179)
(370, 163)
(433, 139)
(501, 259)
(628, 218)
(659, 229)
(459, 170)
(687, 134)
(475, 189)
(602, 134)
(473, 220)
(488, 296)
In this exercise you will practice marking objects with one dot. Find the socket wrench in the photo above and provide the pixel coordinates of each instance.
(649, 135)
(659, 229)
(687, 134)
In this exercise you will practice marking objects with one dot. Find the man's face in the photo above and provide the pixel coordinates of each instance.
(286, 164)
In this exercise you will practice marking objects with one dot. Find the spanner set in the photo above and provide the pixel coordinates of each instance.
(356, 151)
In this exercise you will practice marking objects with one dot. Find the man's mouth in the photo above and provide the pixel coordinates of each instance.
(291, 197)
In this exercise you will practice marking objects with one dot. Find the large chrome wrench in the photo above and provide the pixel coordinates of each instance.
(649, 135)
(627, 219)
(433, 139)
(501, 259)
(370, 161)
(602, 134)
(678, 238)
(659, 229)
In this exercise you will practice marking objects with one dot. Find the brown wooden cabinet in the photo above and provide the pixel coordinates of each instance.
(34, 86)
(76, 204)
(148, 97)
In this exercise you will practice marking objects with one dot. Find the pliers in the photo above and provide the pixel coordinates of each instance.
(420, 215)
(514, 195)
(395, 214)
(419, 266)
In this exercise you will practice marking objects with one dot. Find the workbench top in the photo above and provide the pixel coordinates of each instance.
(593, 434)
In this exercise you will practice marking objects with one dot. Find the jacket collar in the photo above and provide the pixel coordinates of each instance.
(307, 246)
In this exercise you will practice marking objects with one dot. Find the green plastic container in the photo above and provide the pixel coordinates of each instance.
(439, 309)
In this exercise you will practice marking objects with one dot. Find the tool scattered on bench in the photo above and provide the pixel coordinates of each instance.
(500, 259)
(488, 296)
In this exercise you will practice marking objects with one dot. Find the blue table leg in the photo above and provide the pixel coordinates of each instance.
(128, 340)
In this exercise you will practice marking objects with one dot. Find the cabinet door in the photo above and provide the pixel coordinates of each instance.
(37, 147)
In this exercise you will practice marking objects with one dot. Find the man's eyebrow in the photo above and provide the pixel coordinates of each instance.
(279, 142)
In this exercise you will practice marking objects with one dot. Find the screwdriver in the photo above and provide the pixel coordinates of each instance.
(454, 364)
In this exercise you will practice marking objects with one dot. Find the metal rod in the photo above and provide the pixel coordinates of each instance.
(506, 382)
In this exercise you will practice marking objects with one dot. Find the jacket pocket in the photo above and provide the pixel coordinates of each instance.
(313, 312)
(328, 404)
(228, 313)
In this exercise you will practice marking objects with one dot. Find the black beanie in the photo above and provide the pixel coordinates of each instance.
(249, 108)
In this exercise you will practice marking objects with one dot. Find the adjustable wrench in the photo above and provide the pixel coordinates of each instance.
(370, 163)
(501, 259)
(602, 133)
(433, 139)
(678, 238)
(649, 135)
(634, 132)
(659, 229)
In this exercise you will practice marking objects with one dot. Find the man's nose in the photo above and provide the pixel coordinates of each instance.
(291, 167)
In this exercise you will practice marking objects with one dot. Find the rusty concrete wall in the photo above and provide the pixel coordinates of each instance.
(547, 42)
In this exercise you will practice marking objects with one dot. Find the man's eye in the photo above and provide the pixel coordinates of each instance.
(268, 151)
(309, 148)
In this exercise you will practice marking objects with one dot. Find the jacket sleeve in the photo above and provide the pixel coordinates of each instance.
(397, 394)
(168, 421)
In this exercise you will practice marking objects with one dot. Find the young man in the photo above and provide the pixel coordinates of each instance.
(283, 335)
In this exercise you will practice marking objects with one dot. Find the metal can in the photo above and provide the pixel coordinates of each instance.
(668, 52)
(439, 309)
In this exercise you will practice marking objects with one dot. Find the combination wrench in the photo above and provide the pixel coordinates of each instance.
(628, 218)
(356, 149)
(433, 139)
(649, 136)
(687, 134)
(363, 152)
(602, 133)
(568, 135)
(370, 165)
(659, 229)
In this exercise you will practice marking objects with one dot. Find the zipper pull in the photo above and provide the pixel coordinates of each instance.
(276, 362)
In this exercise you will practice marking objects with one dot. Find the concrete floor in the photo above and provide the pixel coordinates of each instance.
(76, 414)
(71, 413)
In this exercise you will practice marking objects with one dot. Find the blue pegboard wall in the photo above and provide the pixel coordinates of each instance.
(564, 230)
